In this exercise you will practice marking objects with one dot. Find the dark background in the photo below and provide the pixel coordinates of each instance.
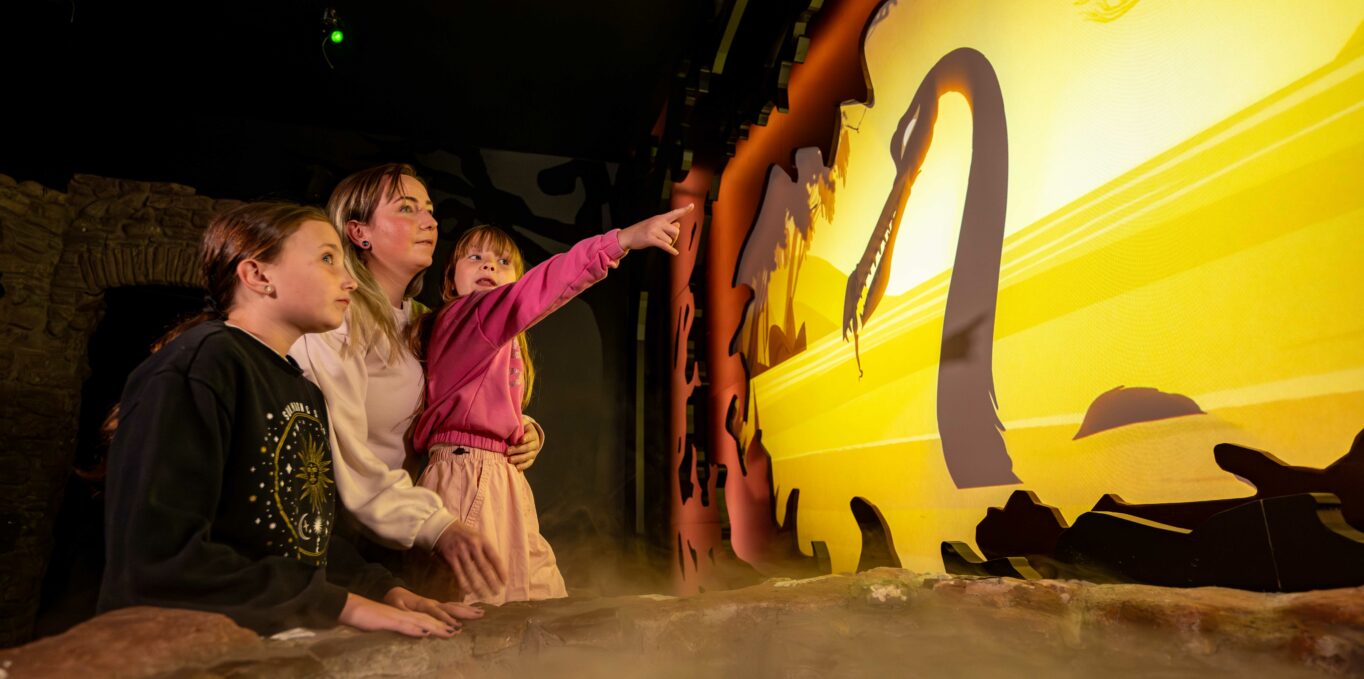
(237, 98)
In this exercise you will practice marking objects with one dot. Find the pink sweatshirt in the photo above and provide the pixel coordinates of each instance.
(473, 363)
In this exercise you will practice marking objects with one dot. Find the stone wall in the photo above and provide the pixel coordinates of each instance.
(59, 252)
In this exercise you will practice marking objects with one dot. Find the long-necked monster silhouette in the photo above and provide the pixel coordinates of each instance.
(968, 422)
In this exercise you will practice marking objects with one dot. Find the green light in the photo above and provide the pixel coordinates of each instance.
(337, 36)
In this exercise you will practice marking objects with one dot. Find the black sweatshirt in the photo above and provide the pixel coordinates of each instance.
(220, 494)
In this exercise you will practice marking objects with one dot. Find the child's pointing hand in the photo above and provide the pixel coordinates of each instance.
(658, 231)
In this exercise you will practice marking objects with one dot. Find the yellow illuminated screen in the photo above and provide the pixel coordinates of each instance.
(1184, 213)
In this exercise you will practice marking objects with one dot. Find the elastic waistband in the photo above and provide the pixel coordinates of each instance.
(451, 450)
(460, 438)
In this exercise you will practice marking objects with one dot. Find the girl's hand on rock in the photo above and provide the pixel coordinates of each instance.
(370, 616)
(447, 612)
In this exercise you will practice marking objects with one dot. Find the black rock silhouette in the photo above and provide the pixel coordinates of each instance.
(878, 549)
(1023, 526)
(1127, 549)
(784, 556)
(959, 559)
(1271, 477)
(1281, 540)
(1291, 543)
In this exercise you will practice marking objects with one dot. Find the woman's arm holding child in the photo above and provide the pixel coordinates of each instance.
(523, 455)
(383, 498)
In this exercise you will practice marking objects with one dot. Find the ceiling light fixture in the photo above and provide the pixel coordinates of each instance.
(332, 32)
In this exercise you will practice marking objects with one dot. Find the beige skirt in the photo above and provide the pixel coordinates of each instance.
(491, 496)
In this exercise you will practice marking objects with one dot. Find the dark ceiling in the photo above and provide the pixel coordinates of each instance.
(246, 99)
(205, 92)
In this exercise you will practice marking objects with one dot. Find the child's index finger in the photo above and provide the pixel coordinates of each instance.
(674, 214)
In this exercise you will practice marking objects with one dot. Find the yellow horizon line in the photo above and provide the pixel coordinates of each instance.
(1291, 389)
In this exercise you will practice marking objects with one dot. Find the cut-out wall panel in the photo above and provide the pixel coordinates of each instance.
(1056, 248)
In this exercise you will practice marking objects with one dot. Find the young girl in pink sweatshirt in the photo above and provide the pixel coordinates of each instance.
(478, 378)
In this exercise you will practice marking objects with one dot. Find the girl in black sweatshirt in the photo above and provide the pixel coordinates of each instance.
(220, 494)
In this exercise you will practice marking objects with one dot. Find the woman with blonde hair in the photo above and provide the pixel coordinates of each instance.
(373, 383)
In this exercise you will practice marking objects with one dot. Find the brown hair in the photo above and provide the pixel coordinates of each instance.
(356, 198)
(247, 231)
(499, 241)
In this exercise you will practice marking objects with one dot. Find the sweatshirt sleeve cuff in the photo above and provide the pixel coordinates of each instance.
(613, 248)
(380, 586)
(433, 528)
(332, 602)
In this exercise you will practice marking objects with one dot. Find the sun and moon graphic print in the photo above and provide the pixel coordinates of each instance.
(293, 495)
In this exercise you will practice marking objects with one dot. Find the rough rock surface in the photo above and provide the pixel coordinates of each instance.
(132, 642)
(883, 621)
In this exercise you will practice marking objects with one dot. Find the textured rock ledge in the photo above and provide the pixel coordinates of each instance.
(883, 620)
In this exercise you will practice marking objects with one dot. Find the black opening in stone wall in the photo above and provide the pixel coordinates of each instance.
(134, 318)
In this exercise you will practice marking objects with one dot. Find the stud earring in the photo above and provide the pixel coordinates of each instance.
(364, 244)
(269, 289)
